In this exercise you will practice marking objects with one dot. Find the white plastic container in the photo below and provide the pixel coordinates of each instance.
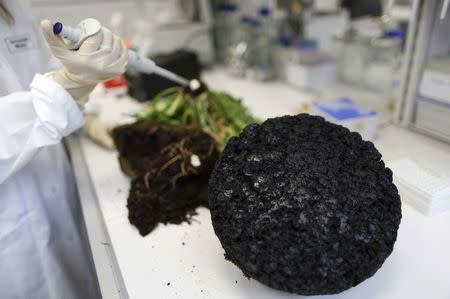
(351, 52)
(435, 82)
(315, 76)
(426, 191)
(345, 112)
(310, 68)
(383, 61)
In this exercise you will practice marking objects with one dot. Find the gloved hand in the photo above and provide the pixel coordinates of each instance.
(99, 130)
(99, 58)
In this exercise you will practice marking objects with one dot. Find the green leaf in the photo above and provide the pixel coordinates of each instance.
(216, 113)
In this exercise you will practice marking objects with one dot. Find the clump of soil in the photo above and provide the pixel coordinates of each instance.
(304, 205)
(170, 167)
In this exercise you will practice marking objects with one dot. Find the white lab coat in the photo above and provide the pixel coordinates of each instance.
(43, 252)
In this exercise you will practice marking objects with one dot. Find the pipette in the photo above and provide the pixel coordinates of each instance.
(88, 27)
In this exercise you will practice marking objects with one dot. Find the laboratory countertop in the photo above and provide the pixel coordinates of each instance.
(187, 261)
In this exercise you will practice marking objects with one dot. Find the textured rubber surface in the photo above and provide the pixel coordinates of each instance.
(304, 205)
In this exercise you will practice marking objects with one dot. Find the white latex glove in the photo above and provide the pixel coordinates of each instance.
(99, 131)
(99, 58)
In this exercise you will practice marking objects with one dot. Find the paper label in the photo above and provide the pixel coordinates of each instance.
(19, 43)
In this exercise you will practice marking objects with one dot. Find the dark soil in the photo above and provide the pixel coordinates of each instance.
(304, 206)
(167, 184)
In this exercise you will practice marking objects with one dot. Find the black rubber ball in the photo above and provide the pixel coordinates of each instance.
(304, 205)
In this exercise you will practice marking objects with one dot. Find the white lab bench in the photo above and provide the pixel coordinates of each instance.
(187, 261)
